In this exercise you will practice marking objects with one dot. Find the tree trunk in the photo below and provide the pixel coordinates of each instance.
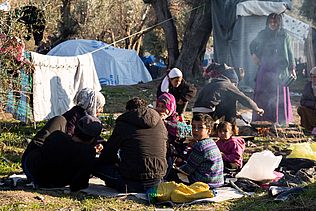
(163, 13)
(197, 33)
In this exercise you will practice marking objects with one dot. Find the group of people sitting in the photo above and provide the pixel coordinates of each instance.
(147, 146)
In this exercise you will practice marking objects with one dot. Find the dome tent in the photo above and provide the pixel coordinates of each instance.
(115, 66)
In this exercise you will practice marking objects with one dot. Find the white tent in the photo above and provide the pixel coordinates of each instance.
(115, 66)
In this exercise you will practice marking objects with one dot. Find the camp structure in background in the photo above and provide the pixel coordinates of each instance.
(234, 32)
(114, 66)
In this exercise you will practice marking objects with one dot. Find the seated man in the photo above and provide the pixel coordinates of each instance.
(307, 109)
(219, 97)
(134, 157)
(63, 160)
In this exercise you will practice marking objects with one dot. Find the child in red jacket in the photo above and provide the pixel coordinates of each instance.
(230, 146)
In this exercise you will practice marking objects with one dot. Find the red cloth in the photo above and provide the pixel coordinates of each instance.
(232, 150)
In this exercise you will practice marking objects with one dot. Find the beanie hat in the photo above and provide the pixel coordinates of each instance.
(90, 126)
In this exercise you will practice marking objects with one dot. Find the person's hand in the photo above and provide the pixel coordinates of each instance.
(98, 148)
(255, 59)
(293, 73)
(260, 111)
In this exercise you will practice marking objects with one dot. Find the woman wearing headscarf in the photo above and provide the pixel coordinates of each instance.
(87, 101)
(307, 109)
(174, 84)
(177, 131)
(271, 51)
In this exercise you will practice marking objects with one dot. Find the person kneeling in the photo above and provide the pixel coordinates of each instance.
(64, 160)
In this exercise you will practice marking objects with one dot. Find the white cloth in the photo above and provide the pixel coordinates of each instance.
(203, 109)
(90, 100)
(174, 72)
(56, 80)
(295, 27)
(248, 8)
(5, 6)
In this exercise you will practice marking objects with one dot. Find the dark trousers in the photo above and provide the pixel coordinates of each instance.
(173, 176)
(110, 174)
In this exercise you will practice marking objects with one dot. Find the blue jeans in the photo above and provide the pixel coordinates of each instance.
(110, 174)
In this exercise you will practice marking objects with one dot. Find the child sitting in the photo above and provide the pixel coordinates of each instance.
(177, 130)
(231, 147)
(205, 163)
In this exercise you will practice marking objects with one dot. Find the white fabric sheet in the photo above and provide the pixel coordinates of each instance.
(259, 8)
(56, 81)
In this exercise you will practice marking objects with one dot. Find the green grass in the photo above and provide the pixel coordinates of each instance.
(13, 141)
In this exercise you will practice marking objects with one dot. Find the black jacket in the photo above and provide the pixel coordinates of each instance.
(60, 162)
(139, 138)
(222, 94)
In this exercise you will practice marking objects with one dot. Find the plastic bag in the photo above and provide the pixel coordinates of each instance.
(303, 150)
(260, 166)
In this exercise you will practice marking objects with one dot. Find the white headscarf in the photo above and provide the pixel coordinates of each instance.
(313, 72)
(174, 73)
(90, 100)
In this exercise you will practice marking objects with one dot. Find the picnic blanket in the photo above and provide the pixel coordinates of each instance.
(97, 188)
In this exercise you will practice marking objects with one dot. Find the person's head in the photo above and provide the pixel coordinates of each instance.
(88, 129)
(166, 105)
(225, 130)
(274, 21)
(175, 77)
(136, 103)
(231, 75)
(202, 125)
(91, 100)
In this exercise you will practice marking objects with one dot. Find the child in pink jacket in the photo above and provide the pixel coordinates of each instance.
(231, 147)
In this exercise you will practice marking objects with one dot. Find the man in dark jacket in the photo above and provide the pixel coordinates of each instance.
(219, 98)
(134, 157)
(63, 160)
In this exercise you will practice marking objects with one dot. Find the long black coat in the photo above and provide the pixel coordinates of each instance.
(60, 162)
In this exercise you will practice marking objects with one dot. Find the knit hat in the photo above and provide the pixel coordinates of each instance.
(90, 126)
(174, 73)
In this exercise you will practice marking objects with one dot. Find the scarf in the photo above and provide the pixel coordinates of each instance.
(170, 103)
(90, 100)
(174, 73)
